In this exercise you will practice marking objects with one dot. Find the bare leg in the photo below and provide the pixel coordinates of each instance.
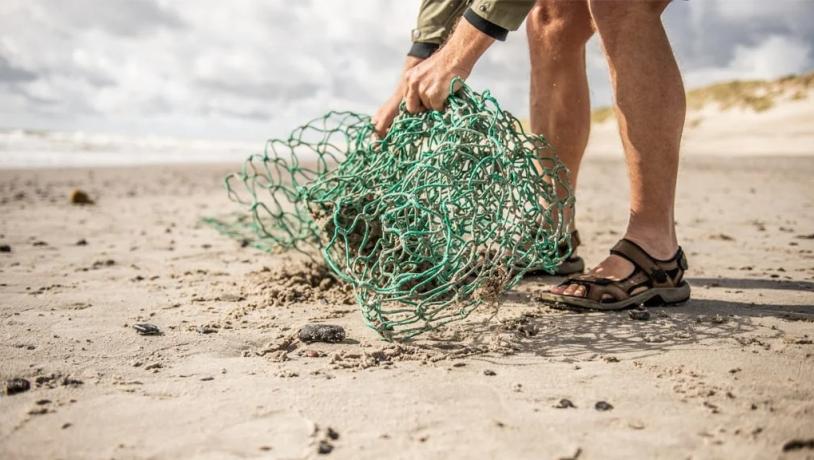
(650, 107)
(560, 107)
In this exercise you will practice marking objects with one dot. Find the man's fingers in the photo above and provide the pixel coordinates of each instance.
(413, 101)
(382, 121)
(426, 99)
(438, 100)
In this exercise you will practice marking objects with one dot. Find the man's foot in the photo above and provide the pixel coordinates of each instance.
(614, 268)
(630, 277)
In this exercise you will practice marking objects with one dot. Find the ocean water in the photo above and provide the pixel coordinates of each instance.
(51, 149)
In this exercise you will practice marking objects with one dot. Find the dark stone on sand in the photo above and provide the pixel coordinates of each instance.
(489, 372)
(603, 406)
(82, 242)
(328, 333)
(325, 448)
(147, 329)
(17, 385)
(639, 315)
(5, 248)
(207, 330)
(798, 444)
(80, 197)
(70, 381)
(332, 434)
(565, 404)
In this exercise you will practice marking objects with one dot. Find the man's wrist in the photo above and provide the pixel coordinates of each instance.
(465, 47)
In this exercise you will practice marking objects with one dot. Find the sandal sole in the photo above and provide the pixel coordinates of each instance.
(653, 297)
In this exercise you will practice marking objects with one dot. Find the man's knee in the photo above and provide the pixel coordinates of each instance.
(609, 14)
(559, 24)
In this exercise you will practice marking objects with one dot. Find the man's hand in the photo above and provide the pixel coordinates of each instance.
(427, 84)
(384, 116)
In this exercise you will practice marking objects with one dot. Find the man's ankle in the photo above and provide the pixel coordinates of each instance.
(660, 244)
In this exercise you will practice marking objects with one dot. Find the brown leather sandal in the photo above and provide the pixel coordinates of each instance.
(573, 264)
(653, 283)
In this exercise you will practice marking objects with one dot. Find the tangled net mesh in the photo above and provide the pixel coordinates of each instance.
(446, 212)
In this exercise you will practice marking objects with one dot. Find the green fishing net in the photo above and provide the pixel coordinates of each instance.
(446, 212)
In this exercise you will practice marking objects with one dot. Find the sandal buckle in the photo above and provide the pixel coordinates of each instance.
(659, 275)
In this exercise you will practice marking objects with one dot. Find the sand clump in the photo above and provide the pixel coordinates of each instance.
(301, 282)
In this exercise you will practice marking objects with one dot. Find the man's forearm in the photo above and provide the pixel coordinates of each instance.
(463, 49)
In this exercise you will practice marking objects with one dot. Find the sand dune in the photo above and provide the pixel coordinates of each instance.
(733, 119)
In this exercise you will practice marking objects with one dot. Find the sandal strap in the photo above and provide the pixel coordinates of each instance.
(655, 269)
(596, 288)
(575, 243)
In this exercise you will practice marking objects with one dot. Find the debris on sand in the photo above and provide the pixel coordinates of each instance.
(80, 197)
(639, 314)
(17, 385)
(603, 406)
(278, 349)
(103, 263)
(54, 380)
(325, 447)
(147, 329)
(565, 404)
(328, 333)
(574, 456)
(331, 434)
(302, 281)
(798, 444)
(489, 372)
(5, 248)
(82, 242)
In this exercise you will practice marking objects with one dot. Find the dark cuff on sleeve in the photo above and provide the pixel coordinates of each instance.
(489, 28)
(423, 50)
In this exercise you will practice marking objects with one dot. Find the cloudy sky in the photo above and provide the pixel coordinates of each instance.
(251, 69)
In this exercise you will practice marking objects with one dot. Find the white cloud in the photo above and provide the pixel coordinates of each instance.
(250, 69)
(774, 57)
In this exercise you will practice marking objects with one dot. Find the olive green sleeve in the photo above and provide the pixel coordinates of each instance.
(437, 18)
(506, 14)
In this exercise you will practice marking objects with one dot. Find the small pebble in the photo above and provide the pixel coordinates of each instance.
(147, 329)
(325, 447)
(639, 315)
(489, 372)
(82, 242)
(328, 333)
(798, 444)
(565, 404)
(603, 406)
(332, 434)
(17, 385)
(80, 197)
(5, 248)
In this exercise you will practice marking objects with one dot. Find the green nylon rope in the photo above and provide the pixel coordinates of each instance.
(446, 212)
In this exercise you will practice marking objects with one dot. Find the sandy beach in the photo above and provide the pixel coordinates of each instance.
(727, 375)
